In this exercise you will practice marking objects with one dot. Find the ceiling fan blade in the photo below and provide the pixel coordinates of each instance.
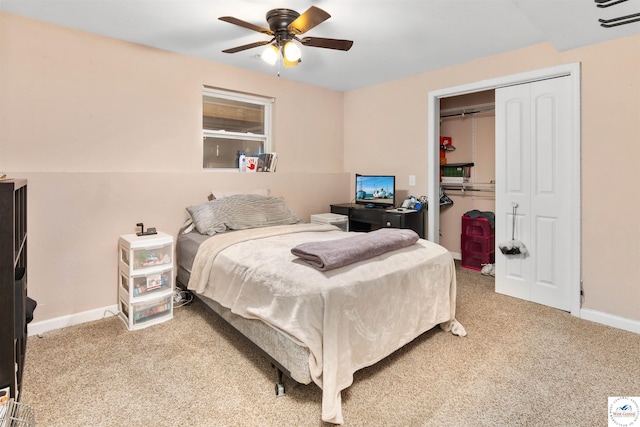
(327, 43)
(245, 24)
(247, 46)
(309, 19)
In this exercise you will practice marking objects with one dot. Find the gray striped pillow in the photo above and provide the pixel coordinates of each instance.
(204, 219)
(241, 211)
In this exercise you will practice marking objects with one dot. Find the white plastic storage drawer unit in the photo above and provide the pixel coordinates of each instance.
(145, 279)
(340, 221)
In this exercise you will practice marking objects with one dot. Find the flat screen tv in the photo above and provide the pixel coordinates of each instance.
(376, 190)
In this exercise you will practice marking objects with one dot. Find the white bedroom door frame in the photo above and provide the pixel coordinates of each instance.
(571, 71)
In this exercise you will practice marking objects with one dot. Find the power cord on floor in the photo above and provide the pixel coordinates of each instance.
(182, 297)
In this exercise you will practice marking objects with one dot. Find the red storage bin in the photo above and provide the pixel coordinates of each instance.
(477, 243)
(475, 260)
(476, 227)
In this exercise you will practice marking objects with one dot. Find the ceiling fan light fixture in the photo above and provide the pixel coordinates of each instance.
(284, 26)
(270, 54)
(291, 51)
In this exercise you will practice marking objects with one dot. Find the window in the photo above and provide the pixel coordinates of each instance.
(233, 122)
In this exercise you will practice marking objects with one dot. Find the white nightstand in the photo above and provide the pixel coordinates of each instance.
(145, 289)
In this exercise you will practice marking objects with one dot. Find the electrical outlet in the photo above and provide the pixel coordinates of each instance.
(412, 180)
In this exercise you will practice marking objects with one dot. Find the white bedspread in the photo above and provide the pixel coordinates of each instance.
(350, 317)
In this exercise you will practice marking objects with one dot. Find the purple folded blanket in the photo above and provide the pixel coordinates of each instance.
(327, 255)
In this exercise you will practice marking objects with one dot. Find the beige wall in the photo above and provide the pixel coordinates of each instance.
(392, 118)
(109, 134)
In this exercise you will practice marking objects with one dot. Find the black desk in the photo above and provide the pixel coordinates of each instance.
(362, 218)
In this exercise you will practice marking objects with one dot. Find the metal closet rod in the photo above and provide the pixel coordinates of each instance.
(465, 189)
(451, 112)
(488, 187)
(468, 190)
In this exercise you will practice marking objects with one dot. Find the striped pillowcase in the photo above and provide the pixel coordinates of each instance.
(239, 212)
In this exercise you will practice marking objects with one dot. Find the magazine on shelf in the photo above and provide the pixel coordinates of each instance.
(267, 162)
(273, 161)
(262, 160)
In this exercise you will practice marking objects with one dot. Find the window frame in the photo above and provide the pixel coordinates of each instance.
(264, 101)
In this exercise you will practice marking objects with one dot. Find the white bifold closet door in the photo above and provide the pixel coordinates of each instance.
(533, 130)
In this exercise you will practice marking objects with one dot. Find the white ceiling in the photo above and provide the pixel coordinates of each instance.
(392, 38)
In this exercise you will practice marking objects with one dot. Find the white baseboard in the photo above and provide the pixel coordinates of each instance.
(623, 323)
(36, 328)
(600, 317)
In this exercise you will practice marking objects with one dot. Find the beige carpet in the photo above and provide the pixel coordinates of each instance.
(520, 365)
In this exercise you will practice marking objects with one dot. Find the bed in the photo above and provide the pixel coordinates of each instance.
(316, 324)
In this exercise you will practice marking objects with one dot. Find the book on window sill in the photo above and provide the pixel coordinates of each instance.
(262, 159)
(273, 162)
(267, 162)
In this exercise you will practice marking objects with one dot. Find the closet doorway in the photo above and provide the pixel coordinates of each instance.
(469, 122)
(572, 73)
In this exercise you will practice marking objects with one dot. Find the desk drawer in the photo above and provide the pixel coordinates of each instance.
(394, 221)
(366, 215)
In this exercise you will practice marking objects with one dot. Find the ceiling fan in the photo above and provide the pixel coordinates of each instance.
(285, 25)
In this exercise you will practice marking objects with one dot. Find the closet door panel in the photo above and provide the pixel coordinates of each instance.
(549, 199)
(513, 172)
(545, 146)
(516, 131)
(533, 126)
(546, 242)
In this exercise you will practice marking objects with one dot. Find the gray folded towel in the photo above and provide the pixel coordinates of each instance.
(327, 255)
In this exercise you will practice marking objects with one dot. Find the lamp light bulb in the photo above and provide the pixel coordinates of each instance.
(270, 54)
(292, 51)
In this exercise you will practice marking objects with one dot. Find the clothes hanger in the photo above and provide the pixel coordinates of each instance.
(607, 3)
